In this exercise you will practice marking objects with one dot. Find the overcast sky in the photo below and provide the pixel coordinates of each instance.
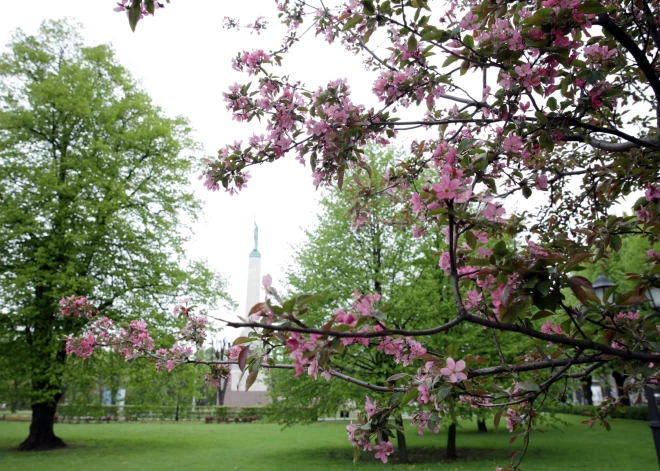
(183, 59)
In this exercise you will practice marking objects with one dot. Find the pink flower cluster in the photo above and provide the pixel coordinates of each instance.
(77, 306)
(360, 439)
(194, 331)
(134, 340)
(183, 308)
(177, 355)
(421, 421)
(404, 349)
(216, 374)
(82, 346)
(631, 316)
(250, 60)
(549, 328)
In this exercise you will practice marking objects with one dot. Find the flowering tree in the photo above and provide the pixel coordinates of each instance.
(553, 101)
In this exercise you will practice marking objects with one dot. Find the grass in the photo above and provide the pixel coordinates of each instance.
(322, 446)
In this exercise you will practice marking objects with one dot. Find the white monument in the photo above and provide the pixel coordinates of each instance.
(236, 394)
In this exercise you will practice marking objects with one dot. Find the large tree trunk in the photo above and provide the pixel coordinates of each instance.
(586, 391)
(451, 443)
(481, 425)
(47, 357)
(401, 441)
(42, 436)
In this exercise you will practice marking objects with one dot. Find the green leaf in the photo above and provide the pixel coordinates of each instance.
(412, 43)
(529, 386)
(134, 14)
(516, 310)
(471, 239)
(450, 60)
(368, 6)
(149, 4)
(352, 22)
(593, 7)
(444, 391)
(464, 145)
(409, 396)
(552, 103)
(500, 249)
(542, 314)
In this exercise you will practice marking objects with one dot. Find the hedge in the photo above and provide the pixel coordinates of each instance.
(631, 412)
(150, 412)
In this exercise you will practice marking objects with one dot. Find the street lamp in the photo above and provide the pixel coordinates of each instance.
(653, 294)
(654, 297)
(600, 286)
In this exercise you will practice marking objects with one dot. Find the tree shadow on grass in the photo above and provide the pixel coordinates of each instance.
(416, 455)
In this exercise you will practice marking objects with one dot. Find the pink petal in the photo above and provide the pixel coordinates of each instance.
(445, 371)
(460, 365)
(451, 363)
(453, 378)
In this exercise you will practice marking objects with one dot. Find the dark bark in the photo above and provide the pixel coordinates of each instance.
(47, 357)
(619, 380)
(451, 442)
(586, 391)
(401, 441)
(42, 435)
(176, 416)
(481, 425)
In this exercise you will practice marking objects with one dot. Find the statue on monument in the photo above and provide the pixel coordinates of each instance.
(256, 237)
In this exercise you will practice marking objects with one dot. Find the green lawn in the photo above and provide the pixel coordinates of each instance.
(191, 446)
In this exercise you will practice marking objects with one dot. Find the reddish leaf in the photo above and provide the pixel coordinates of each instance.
(242, 340)
(397, 376)
(242, 358)
(252, 377)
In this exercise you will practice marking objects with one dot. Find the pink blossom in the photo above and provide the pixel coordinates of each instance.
(423, 395)
(235, 351)
(549, 328)
(512, 143)
(541, 182)
(454, 370)
(492, 212)
(267, 281)
(371, 408)
(652, 193)
(384, 449)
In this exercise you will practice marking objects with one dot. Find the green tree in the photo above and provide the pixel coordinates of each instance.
(94, 199)
(337, 258)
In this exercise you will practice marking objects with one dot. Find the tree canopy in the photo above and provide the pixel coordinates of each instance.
(94, 199)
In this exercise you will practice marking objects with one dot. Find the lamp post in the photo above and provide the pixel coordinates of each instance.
(653, 294)
(601, 284)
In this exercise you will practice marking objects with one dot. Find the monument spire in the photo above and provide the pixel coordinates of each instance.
(254, 274)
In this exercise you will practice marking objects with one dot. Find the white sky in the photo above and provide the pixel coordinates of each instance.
(183, 59)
